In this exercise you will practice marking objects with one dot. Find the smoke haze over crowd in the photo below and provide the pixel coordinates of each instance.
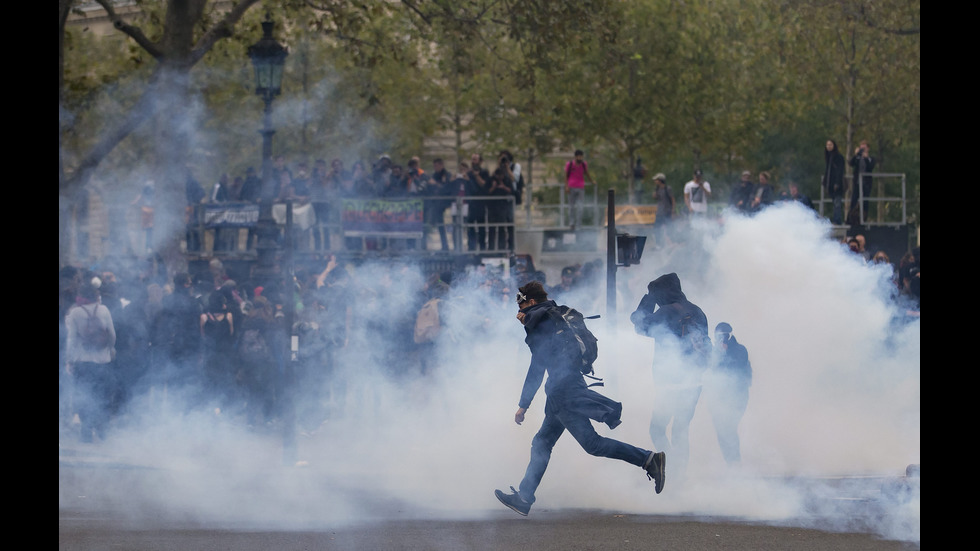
(836, 392)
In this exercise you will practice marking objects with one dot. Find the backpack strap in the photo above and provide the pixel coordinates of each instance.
(94, 310)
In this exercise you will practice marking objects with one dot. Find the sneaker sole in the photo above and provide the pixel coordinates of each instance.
(500, 497)
(659, 483)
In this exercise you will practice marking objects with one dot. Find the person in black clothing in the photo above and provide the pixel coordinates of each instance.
(764, 193)
(194, 194)
(500, 211)
(570, 404)
(742, 193)
(862, 164)
(726, 390)
(440, 185)
(477, 187)
(683, 349)
(794, 194)
(665, 210)
(251, 191)
(180, 334)
(512, 174)
(218, 347)
(833, 180)
(257, 369)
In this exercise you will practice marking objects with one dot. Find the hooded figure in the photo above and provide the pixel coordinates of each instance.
(683, 350)
(665, 311)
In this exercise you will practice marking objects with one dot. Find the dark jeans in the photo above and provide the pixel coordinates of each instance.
(727, 406)
(559, 414)
(838, 216)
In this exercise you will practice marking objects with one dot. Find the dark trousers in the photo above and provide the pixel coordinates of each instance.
(559, 416)
(727, 406)
(675, 404)
(865, 190)
(838, 215)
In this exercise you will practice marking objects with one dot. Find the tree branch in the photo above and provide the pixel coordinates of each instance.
(223, 29)
(145, 108)
(133, 32)
(868, 21)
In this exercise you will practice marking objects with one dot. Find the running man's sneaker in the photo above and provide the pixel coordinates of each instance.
(514, 501)
(654, 467)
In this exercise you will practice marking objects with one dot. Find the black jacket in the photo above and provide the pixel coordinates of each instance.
(861, 171)
(664, 313)
(833, 178)
(734, 363)
(742, 194)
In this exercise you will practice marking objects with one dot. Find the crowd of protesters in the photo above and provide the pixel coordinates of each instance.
(208, 343)
(487, 210)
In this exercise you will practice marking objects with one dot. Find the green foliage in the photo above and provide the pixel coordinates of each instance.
(724, 86)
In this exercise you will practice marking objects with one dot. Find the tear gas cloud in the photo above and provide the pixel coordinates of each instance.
(835, 393)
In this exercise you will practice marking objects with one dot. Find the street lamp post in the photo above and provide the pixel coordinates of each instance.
(268, 58)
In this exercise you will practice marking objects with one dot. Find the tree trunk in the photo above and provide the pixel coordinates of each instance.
(166, 94)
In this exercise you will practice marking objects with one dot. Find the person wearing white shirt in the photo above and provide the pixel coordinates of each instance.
(696, 194)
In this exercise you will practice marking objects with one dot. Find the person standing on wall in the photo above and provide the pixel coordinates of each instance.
(576, 171)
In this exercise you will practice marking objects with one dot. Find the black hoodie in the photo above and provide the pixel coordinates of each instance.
(665, 310)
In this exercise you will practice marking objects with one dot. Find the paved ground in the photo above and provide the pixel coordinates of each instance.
(91, 519)
(558, 530)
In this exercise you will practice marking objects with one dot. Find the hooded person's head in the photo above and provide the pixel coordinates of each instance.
(666, 289)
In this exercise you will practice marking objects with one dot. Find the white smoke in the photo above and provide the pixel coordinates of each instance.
(835, 393)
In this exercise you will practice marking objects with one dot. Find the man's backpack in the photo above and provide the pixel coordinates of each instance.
(576, 340)
(427, 324)
(93, 334)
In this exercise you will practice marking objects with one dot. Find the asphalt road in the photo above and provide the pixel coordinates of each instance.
(550, 530)
(90, 519)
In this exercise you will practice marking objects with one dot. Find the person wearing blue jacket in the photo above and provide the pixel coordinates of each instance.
(570, 404)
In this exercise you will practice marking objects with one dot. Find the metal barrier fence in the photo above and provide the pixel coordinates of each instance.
(886, 206)
(468, 233)
(559, 214)
(320, 229)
